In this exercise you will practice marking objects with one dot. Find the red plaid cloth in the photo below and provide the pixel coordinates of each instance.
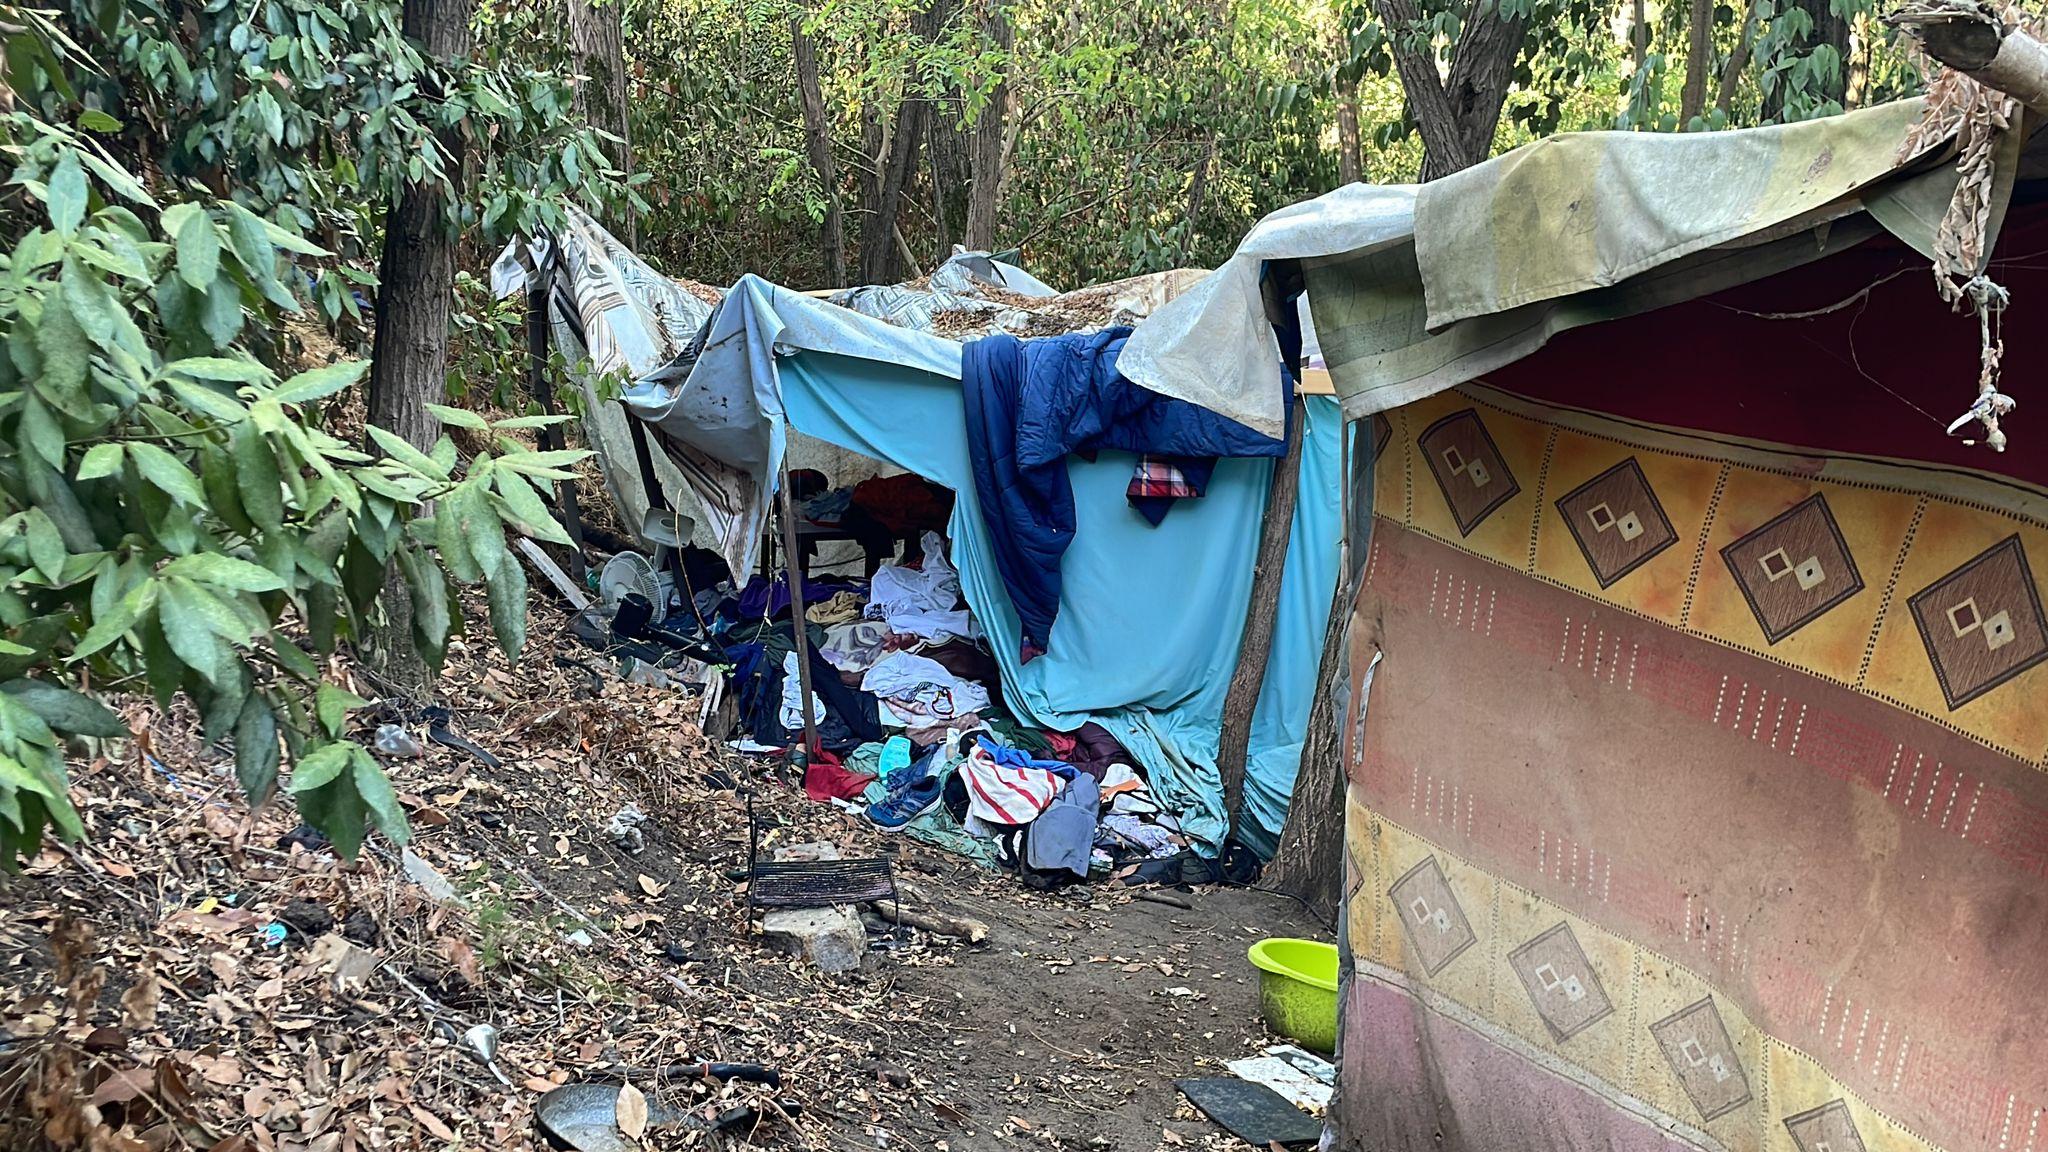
(1155, 477)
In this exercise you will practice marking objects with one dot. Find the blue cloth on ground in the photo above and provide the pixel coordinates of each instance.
(1028, 405)
(1063, 836)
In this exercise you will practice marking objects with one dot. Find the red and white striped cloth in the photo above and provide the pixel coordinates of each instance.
(1003, 794)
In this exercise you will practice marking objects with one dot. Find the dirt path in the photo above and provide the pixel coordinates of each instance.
(198, 975)
(1076, 1018)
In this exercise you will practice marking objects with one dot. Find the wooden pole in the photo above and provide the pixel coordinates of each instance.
(1971, 37)
(793, 566)
(1233, 746)
(551, 436)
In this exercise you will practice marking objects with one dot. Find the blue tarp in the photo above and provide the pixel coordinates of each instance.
(1150, 617)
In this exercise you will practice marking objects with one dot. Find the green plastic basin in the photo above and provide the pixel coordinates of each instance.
(1298, 990)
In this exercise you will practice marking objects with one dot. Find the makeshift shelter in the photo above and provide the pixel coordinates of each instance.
(1149, 615)
(1697, 699)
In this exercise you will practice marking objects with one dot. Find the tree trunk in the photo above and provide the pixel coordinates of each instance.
(1198, 187)
(1458, 116)
(1254, 651)
(987, 150)
(1310, 860)
(1350, 152)
(1829, 30)
(1738, 60)
(598, 42)
(1699, 61)
(1639, 36)
(818, 143)
(879, 260)
(409, 358)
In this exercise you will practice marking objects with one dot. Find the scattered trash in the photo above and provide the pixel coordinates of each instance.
(429, 879)
(1306, 1080)
(481, 1041)
(307, 918)
(624, 829)
(274, 935)
(586, 1117)
(394, 740)
(579, 938)
(1251, 1112)
(814, 853)
(439, 732)
(304, 836)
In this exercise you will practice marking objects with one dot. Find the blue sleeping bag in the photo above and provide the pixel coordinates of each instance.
(1032, 402)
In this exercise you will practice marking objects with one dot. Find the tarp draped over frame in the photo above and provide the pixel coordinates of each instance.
(1419, 288)
(1150, 617)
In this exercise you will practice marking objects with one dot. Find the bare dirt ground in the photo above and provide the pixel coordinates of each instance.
(197, 976)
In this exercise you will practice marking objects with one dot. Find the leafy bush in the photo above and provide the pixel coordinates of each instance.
(170, 518)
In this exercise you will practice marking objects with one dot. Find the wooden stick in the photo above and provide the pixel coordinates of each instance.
(792, 564)
(966, 927)
(1970, 36)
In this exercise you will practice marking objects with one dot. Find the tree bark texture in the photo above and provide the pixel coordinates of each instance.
(818, 145)
(1255, 650)
(988, 149)
(880, 261)
(1350, 150)
(409, 356)
(1310, 860)
(1828, 29)
(1639, 35)
(1699, 61)
(1457, 116)
(598, 41)
(1738, 60)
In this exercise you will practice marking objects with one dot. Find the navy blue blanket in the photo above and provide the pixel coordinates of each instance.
(1030, 404)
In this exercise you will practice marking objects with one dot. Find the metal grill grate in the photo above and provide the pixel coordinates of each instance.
(815, 884)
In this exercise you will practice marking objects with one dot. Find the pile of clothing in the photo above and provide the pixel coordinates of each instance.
(912, 729)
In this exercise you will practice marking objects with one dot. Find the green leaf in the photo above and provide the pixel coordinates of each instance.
(91, 304)
(256, 476)
(220, 368)
(198, 250)
(168, 473)
(508, 606)
(68, 194)
(66, 711)
(224, 571)
(101, 460)
(222, 317)
(333, 706)
(110, 627)
(65, 348)
(256, 749)
(517, 422)
(460, 417)
(320, 382)
(524, 506)
(200, 628)
(429, 605)
(40, 431)
(375, 789)
(46, 546)
(396, 448)
(94, 120)
(320, 767)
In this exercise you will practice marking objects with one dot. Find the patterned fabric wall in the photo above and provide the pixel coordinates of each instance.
(1698, 800)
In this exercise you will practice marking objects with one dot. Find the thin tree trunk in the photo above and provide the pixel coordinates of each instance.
(1738, 60)
(1639, 36)
(1699, 61)
(1256, 649)
(1350, 151)
(818, 143)
(409, 357)
(878, 255)
(1198, 187)
(988, 151)
(599, 44)
(1310, 860)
